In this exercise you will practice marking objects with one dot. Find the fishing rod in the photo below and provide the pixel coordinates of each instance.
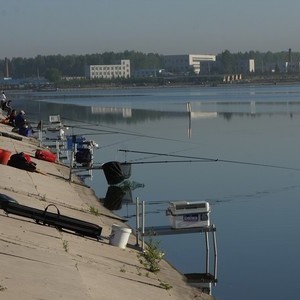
(130, 133)
(113, 130)
(87, 126)
(99, 166)
(169, 155)
(210, 159)
(163, 161)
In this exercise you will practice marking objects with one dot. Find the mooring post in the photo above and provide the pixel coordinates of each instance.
(207, 252)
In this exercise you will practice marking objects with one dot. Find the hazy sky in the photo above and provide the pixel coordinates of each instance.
(32, 27)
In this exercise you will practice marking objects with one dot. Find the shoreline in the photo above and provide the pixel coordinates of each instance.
(206, 84)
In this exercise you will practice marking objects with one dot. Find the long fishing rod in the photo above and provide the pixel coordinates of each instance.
(164, 161)
(211, 159)
(99, 166)
(169, 155)
(129, 133)
(113, 130)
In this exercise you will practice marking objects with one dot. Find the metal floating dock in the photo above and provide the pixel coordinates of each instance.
(142, 232)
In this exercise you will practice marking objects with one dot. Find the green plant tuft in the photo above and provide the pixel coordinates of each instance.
(165, 285)
(151, 256)
(123, 269)
(66, 245)
(94, 211)
(2, 288)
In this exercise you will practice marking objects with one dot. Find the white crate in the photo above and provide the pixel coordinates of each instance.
(184, 214)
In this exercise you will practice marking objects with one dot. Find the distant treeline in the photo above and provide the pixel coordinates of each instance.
(230, 60)
(73, 65)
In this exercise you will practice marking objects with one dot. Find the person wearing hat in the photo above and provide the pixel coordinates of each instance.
(20, 120)
(22, 125)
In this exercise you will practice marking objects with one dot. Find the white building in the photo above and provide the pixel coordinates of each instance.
(246, 66)
(186, 62)
(109, 71)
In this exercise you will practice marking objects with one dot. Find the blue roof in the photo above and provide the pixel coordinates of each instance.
(32, 81)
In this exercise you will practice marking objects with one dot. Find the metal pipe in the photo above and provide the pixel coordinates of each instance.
(137, 224)
(143, 224)
(216, 255)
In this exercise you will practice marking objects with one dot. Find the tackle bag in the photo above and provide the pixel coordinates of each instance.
(83, 156)
(45, 155)
(22, 161)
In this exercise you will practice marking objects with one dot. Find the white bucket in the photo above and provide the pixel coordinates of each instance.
(119, 236)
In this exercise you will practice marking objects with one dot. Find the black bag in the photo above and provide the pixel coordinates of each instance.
(22, 161)
(83, 156)
(113, 172)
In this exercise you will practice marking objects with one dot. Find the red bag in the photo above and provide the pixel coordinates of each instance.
(45, 155)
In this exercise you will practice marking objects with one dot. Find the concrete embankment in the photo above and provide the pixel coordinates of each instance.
(42, 262)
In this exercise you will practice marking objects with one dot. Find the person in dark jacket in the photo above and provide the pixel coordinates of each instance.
(20, 120)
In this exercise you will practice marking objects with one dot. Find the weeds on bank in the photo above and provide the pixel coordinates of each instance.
(139, 272)
(94, 211)
(66, 245)
(165, 285)
(123, 269)
(2, 288)
(150, 259)
(151, 256)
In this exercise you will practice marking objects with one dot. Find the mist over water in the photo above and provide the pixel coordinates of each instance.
(253, 187)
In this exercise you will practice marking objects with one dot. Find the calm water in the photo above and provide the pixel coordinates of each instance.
(255, 208)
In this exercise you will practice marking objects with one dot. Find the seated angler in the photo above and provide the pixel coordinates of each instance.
(20, 120)
(21, 124)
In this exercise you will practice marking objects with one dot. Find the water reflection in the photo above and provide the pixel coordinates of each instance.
(89, 113)
(120, 194)
(115, 196)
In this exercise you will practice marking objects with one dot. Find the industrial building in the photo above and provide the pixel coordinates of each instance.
(122, 69)
(182, 64)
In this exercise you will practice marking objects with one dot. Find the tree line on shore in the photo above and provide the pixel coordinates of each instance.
(53, 67)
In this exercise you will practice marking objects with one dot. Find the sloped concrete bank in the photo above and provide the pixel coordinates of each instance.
(41, 262)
